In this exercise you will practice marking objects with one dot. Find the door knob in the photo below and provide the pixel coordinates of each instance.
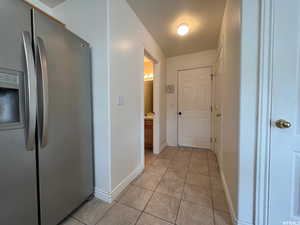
(179, 113)
(283, 124)
(219, 115)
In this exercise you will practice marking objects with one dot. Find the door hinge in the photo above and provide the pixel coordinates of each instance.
(212, 76)
(211, 108)
(211, 140)
(215, 140)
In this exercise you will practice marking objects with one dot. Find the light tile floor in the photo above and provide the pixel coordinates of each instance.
(179, 186)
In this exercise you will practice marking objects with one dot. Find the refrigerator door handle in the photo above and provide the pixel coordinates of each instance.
(31, 92)
(43, 78)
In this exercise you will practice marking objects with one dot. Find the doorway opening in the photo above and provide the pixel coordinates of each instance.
(151, 109)
(149, 114)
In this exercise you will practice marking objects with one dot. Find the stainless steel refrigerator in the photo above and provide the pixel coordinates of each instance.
(46, 160)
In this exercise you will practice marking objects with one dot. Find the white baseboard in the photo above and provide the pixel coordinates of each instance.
(235, 220)
(102, 195)
(117, 190)
(240, 222)
(228, 198)
(110, 197)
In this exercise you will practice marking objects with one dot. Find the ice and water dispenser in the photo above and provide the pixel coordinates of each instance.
(10, 99)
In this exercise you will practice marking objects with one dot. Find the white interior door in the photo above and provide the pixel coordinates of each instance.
(284, 181)
(194, 108)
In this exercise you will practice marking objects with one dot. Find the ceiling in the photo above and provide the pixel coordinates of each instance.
(162, 17)
(52, 3)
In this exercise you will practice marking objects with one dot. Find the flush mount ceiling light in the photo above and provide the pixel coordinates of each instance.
(183, 29)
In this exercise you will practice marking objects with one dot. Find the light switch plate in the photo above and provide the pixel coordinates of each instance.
(170, 89)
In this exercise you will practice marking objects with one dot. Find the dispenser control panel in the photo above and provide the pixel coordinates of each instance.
(9, 80)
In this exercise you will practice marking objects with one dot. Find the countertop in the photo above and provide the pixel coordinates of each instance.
(149, 117)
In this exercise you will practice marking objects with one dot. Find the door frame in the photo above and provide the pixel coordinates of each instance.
(265, 78)
(214, 118)
(156, 108)
(211, 102)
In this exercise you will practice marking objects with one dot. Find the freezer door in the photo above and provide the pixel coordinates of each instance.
(18, 187)
(65, 120)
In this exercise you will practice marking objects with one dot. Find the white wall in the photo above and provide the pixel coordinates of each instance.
(239, 99)
(118, 52)
(231, 39)
(128, 39)
(248, 110)
(204, 58)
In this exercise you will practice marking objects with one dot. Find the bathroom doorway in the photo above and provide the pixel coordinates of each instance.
(149, 111)
(150, 129)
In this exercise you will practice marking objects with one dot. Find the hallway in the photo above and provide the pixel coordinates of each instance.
(87, 86)
(180, 186)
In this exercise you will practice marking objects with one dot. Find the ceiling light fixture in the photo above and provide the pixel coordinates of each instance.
(183, 29)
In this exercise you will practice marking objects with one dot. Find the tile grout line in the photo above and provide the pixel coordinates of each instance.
(210, 191)
(157, 217)
(153, 192)
(184, 185)
(78, 220)
(210, 176)
(148, 199)
(106, 212)
(173, 159)
(212, 197)
(182, 194)
(161, 179)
